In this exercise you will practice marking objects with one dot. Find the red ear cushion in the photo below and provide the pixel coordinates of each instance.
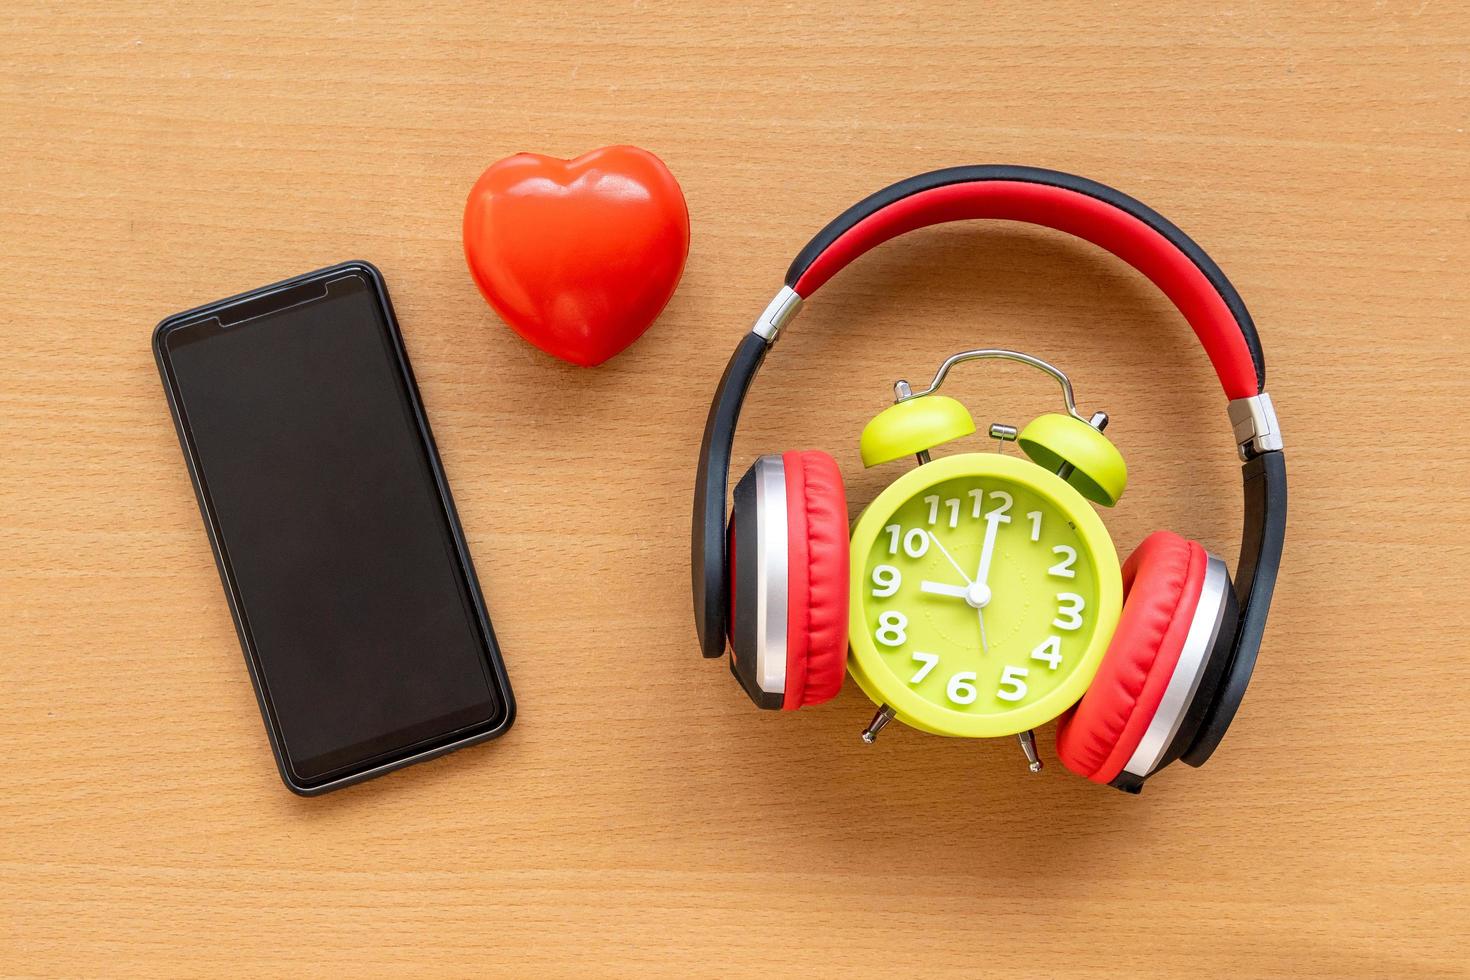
(816, 591)
(1162, 580)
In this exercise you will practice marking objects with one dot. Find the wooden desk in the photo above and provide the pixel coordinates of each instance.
(642, 818)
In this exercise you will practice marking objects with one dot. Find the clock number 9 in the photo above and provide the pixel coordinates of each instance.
(892, 629)
(886, 580)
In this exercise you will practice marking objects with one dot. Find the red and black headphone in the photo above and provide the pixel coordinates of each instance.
(784, 614)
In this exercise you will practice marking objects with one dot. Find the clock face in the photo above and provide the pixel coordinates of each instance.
(984, 592)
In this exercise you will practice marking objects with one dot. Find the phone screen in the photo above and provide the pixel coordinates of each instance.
(329, 518)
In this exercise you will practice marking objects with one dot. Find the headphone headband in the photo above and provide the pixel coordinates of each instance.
(1109, 219)
(1091, 211)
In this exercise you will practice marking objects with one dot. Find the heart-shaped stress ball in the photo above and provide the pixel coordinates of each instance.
(578, 256)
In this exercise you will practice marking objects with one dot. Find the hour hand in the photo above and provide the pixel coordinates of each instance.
(940, 588)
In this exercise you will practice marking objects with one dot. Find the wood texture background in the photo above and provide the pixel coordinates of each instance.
(642, 818)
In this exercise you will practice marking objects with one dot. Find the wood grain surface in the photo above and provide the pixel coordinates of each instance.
(642, 818)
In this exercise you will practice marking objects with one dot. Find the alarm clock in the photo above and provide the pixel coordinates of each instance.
(984, 587)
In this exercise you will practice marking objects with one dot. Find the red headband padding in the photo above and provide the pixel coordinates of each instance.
(1075, 213)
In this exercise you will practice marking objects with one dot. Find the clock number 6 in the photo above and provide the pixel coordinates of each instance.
(961, 687)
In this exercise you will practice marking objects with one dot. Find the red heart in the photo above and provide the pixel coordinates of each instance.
(578, 256)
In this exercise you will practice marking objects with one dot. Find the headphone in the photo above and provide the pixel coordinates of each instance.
(1181, 656)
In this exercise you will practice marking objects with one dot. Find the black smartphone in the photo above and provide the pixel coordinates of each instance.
(342, 557)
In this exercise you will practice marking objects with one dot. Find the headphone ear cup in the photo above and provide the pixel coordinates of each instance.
(748, 540)
(1162, 583)
(788, 570)
(817, 584)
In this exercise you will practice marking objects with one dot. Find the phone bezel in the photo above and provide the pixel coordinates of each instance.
(262, 302)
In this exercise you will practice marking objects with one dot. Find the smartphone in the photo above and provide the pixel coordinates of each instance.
(362, 622)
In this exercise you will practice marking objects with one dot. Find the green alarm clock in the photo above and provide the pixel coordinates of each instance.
(984, 587)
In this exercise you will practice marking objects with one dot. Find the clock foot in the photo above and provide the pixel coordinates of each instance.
(880, 721)
(1028, 746)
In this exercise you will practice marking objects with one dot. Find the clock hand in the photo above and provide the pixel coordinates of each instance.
(982, 574)
(970, 593)
(974, 592)
(987, 551)
(939, 588)
(948, 557)
(976, 596)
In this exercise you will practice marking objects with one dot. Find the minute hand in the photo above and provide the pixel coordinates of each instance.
(992, 524)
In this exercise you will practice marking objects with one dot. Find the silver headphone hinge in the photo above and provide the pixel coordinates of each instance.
(1257, 429)
(778, 312)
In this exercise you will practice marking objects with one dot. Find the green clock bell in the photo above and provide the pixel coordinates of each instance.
(984, 587)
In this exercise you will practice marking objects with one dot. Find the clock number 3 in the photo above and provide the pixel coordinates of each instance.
(1069, 611)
